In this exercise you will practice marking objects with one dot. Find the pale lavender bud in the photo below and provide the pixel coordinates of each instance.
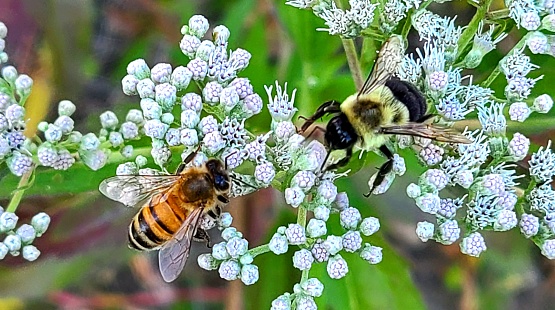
(333, 244)
(322, 213)
(211, 92)
(519, 111)
(9, 73)
(207, 262)
(166, 95)
(464, 178)
(53, 133)
(129, 85)
(425, 231)
(530, 21)
(229, 270)
(27, 233)
(127, 151)
(213, 142)
(352, 241)
(219, 251)
(413, 190)
(303, 259)
(181, 77)
(189, 45)
(428, 203)
(189, 137)
(264, 173)
(473, 245)
(151, 109)
(161, 73)
(198, 68)
(236, 247)
(94, 159)
(19, 164)
(326, 192)
(369, 226)
(252, 104)
(542, 104)
(8, 221)
(295, 234)
(229, 98)
(191, 101)
(13, 242)
(23, 85)
(231, 232)
(208, 124)
(139, 69)
(294, 196)
(319, 251)
(316, 228)
(47, 154)
(448, 232)
(65, 123)
(155, 129)
(350, 218)
(506, 220)
(283, 302)
(108, 120)
(518, 146)
(435, 178)
(337, 267)
(146, 89)
(15, 113)
(529, 225)
(548, 249)
(283, 130)
(278, 244)
(249, 274)
(371, 254)
(198, 25)
(243, 87)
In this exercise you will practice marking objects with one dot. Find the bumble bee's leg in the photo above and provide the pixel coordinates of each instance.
(326, 108)
(342, 162)
(202, 236)
(384, 169)
(425, 118)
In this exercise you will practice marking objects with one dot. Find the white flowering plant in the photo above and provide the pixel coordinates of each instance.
(207, 105)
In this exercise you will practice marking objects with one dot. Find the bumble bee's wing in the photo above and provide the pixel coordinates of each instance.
(132, 190)
(429, 131)
(173, 255)
(390, 56)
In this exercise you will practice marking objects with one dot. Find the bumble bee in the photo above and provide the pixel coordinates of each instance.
(172, 209)
(384, 106)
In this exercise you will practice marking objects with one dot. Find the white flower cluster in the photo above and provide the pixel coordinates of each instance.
(231, 257)
(491, 198)
(20, 241)
(345, 23)
(230, 100)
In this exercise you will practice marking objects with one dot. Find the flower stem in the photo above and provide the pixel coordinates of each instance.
(472, 28)
(301, 216)
(20, 190)
(261, 249)
(304, 275)
(497, 69)
(352, 60)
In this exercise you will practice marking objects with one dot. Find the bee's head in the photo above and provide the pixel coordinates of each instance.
(219, 174)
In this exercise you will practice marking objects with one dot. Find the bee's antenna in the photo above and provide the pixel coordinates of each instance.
(227, 156)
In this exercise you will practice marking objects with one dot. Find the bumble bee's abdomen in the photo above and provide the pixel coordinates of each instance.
(410, 96)
(156, 223)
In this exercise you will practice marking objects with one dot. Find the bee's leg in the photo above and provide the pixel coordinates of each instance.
(425, 118)
(202, 236)
(342, 162)
(187, 160)
(326, 108)
(384, 169)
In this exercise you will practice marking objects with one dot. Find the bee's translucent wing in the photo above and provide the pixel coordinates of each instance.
(173, 255)
(442, 134)
(131, 190)
(389, 58)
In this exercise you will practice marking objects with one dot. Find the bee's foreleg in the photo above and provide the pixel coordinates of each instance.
(187, 160)
(384, 169)
(326, 108)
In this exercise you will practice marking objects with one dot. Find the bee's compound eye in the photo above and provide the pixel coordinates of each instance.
(221, 181)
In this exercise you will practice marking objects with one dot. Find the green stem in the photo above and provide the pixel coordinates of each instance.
(261, 249)
(20, 190)
(493, 75)
(304, 275)
(352, 60)
(472, 27)
(407, 25)
(499, 14)
(301, 216)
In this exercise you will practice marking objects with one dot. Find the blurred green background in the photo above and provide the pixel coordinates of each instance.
(78, 50)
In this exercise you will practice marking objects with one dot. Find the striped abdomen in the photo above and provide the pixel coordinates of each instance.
(156, 223)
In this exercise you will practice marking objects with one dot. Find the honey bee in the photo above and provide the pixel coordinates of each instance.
(172, 209)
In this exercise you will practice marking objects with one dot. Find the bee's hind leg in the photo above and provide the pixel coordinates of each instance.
(331, 106)
(384, 169)
(202, 236)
